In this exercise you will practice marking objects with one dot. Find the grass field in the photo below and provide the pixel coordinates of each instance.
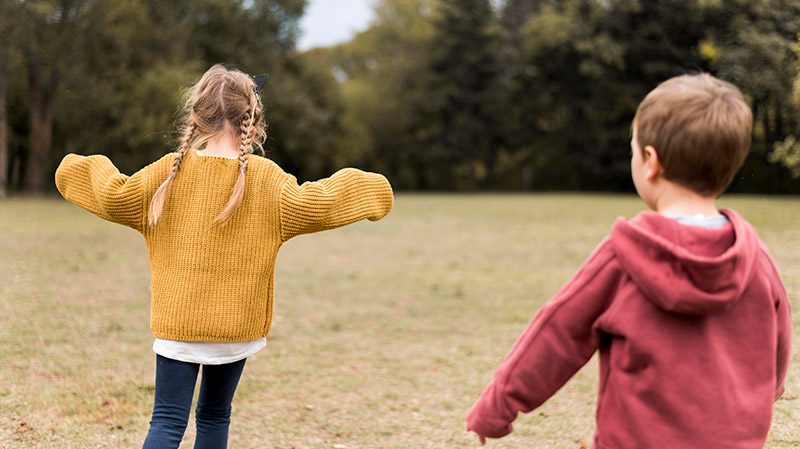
(384, 334)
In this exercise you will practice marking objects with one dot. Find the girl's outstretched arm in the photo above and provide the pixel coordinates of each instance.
(349, 195)
(95, 184)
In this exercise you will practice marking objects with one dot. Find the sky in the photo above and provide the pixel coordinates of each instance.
(330, 22)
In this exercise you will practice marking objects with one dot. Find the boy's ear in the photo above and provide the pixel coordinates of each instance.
(651, 163)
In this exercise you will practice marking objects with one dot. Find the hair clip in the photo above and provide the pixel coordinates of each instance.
(259, 81)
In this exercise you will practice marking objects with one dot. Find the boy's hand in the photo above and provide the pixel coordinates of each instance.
(481, 438)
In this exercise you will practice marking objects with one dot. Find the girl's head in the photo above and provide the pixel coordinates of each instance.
(224, 103)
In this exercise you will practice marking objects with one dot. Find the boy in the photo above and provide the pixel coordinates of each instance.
(684, 303)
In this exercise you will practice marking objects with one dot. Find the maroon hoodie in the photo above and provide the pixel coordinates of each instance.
(693, 327)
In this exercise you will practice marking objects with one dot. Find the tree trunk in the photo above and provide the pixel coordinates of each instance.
(527, 169)
(779, 123)
(491, 164)
(3, 135)
(41, 122)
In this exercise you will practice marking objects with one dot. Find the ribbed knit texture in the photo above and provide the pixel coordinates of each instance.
(210, 283)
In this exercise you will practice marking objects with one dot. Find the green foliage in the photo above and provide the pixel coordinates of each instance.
(424, 113)
(538, 94)
(464, 69)
(755, 41)
(796, 91)
(586, 66)
(304, 116)
(119, 71)
(383, 75)
(128, 84)
(437, 94)
(787, 153)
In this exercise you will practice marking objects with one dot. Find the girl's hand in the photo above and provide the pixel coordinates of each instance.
(481, 438)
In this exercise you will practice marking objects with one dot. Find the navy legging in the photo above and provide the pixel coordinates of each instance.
(175, 383)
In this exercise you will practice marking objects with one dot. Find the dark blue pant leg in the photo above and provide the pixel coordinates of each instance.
(175, 383)
(213, 413)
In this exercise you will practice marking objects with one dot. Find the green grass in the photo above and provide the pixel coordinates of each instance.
(384, 333)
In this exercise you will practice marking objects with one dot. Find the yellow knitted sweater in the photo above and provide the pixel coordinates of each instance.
(210, 283)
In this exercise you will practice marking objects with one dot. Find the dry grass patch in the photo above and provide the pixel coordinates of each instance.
(384, 332)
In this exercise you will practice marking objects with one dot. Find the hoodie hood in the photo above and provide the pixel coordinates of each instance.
(686, 269)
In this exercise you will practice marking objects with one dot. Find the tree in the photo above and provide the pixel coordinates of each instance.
(140, 55)
(383, 79)
(304, 116)
(119, 98)
(7, 54)
(437, 94)
(751, 43)
(586, 65)
(3, 125)
(519, 83)
(464, 77)
(51, 28)
(574, 105)
(108, 76)
(787, 152)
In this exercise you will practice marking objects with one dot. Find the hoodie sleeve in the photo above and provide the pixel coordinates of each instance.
(783, 314)
(557, 343)
(349, 195)
(95, 184)
(784, 343)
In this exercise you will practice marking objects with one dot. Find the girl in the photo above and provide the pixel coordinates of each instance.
(214, 216)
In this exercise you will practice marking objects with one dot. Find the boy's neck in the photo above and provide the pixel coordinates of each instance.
(675, 200)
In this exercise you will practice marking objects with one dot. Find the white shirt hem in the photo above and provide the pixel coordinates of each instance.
(207, 353)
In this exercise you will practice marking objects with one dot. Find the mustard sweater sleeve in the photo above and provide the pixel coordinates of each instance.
(349, 195)
(95, 184)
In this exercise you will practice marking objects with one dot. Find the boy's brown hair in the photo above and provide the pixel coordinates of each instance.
(700, 127)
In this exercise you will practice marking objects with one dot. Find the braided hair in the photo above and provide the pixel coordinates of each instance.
(157, 202)
(245, 148)
(222, 101)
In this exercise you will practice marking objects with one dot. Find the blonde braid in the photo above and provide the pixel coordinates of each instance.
(157, 202)
(245, 148)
